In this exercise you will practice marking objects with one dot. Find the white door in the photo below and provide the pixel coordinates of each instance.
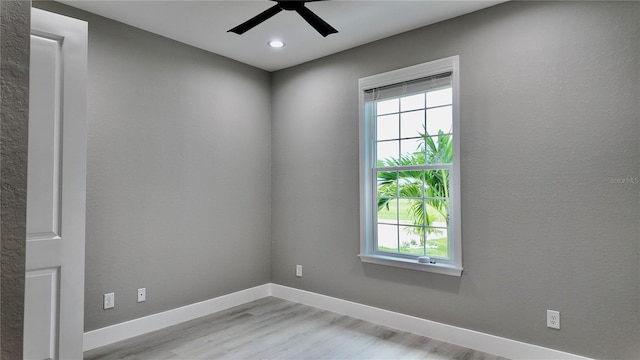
(56, 178)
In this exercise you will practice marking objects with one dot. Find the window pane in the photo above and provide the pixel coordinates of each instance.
(439, 119)
(437, 242)
(412, 124)
(387, 106)
(387, 127)
(436, 183)
(439, 97)
(387, 184)
(410, 184)
(411, 151)
(439, 149)
(387, 150)
(387, 211)
(405, 216)
(437, 212)
(387, 237)
(411, 212)
(412, 102)
(411, 240)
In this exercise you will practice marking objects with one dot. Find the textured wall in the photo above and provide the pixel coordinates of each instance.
(14, 115)
(178, 173)
(550, 122)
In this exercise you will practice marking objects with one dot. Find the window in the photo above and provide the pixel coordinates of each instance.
(410, 168)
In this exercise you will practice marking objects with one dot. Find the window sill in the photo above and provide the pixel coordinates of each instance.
(444, 269)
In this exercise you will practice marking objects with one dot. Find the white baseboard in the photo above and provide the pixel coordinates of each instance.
(455, 335)
(118, 332)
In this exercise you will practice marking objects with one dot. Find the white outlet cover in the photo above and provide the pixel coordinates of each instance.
(142, 294)
(108, 301)
(553, 319)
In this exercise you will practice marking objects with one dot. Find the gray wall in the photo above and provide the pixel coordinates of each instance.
(15, 20)
(178, 173)
(549, 114)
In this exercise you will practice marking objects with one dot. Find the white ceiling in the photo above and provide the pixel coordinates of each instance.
(204, 24)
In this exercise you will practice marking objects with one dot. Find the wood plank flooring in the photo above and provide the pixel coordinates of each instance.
(272, 328)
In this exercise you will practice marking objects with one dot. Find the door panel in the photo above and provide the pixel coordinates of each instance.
(41, 308)
(43, 181)
(56, 178)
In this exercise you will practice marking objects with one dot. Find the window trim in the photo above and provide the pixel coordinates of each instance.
(367, 161)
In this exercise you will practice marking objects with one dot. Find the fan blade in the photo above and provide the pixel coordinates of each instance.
(254, 21)
(314, 20)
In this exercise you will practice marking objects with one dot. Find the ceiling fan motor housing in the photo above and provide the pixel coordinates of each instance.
(290, 5)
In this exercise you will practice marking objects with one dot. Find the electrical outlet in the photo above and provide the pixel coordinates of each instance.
(299, 270)
(553, 319)
(142, 295)
(108, 301)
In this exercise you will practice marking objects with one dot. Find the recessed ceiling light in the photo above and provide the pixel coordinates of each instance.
(276, 43)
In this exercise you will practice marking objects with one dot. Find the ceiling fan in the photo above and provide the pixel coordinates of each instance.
(298, 6)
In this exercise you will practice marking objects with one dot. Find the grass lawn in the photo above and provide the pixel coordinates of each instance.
(439, 249)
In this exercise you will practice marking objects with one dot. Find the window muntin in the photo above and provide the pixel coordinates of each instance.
(410, 167)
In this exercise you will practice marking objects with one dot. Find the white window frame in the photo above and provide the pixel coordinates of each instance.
(368, 186)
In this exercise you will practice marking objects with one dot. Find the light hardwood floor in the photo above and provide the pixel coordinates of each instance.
(272, 328)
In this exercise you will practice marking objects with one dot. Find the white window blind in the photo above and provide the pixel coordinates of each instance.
(409, 87)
